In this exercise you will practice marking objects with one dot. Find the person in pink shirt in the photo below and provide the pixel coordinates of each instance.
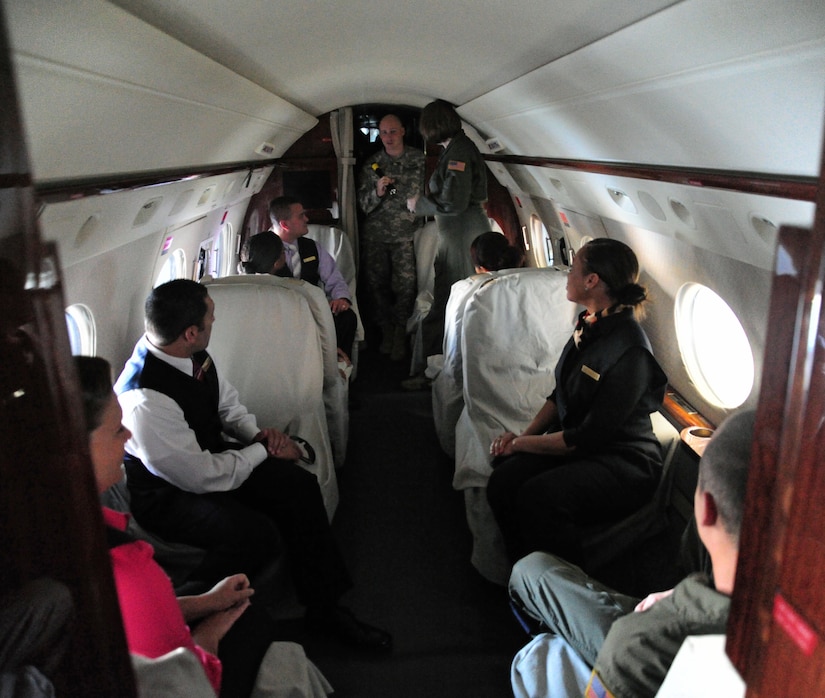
(155, 621)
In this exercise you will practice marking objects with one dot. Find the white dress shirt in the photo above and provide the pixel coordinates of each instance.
(167, 446)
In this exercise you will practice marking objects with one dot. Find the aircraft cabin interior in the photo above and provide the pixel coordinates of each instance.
(143, 141)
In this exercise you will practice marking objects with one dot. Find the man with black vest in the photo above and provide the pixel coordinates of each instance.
(305, 260)
(236, 499)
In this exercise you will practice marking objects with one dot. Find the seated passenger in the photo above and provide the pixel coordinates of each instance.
(590, 455)
(306, 260)
(491, 251)
(188, 484)
(230, 650)
(262, 254)
(592, 626)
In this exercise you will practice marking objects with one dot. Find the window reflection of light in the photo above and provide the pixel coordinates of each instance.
(82, 330)
(174, 268)
(541, 239)
(714, 346)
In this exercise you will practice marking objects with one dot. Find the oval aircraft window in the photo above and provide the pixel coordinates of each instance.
(541, 239)
(173, 268)
(714, 346)
(82, 330)
(224, 248)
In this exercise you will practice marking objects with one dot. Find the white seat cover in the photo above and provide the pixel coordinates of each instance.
(426, 246)
(447, 388)
(266, 342)
(177, 674)
(447, 391)
(336, 387)
(514, 329)
(335, 241)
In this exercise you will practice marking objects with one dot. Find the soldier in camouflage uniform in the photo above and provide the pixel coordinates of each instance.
(387, 180)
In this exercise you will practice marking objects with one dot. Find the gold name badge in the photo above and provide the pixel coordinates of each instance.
(310, 259)
(587, 371)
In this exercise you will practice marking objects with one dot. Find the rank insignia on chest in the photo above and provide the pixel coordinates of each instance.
(456, 165)
(590, 373)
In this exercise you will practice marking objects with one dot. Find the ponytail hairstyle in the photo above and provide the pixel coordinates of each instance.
(492, 251)
(618, 268)
(260, 252)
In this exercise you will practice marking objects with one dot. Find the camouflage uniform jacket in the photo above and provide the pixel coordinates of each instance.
(387, 216)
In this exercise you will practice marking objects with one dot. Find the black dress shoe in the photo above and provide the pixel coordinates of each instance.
(341, 623)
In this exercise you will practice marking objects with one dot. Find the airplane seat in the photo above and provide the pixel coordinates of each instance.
(426, 246)
(447, 395)
(267, 344)
(604, 543)
(335, 241)
(284, 671)
(336, 385)
(177, 673)
(494, 226)
(514, 329)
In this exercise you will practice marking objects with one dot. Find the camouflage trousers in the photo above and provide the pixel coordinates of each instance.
(391, 278)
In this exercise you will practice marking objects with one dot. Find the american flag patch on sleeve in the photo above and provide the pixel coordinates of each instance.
(596, 689)
(456, 165)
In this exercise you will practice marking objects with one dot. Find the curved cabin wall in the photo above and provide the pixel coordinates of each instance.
(111, 247)
(724, 240)
(117, 95)
(737, 87)
(732, 86)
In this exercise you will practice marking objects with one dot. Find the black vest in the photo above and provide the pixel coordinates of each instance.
(308, 251)
(198, 400)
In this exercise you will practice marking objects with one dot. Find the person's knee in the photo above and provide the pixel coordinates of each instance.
(50, 600)
(529, 574)
(531, 567)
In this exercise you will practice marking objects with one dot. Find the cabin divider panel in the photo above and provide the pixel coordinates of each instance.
(776, 633)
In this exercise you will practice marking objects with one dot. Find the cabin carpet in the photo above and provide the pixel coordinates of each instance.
(402, 530)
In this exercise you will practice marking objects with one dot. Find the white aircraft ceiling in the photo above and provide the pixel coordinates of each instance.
(110, 86)
(321, 54)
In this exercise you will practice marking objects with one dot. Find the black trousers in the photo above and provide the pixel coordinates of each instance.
(346, 323)
(546, 502)
(279, 508)
(243, 648)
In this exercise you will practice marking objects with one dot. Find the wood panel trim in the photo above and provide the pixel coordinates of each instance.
(52, 192)
(763, 521)
(781, 186)
(786, 187)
